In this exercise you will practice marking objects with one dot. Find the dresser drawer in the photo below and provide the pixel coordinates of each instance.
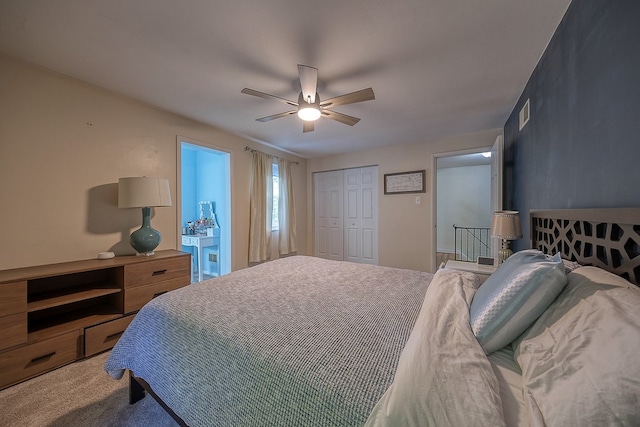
(135, 298)
(31, 360)
(13, 298)
(14, 330)
(145, 273)
(102, 337)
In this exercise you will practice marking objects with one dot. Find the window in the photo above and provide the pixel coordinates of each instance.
(275, 224)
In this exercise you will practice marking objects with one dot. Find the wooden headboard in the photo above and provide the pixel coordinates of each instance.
(605, 238)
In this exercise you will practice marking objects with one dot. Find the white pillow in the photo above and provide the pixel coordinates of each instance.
(580, 360)
(513, 297)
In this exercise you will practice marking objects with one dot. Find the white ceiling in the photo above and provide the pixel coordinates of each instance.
(438, 67)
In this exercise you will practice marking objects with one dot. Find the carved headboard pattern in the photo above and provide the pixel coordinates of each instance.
(605, 238)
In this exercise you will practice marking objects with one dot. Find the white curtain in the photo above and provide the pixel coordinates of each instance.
(261, 207)
(286, 209)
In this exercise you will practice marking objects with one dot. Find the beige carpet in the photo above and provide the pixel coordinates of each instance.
(80, 394)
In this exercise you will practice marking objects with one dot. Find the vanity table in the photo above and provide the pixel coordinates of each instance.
(200, 242)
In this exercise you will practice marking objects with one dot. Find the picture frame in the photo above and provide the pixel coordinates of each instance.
(405, 182)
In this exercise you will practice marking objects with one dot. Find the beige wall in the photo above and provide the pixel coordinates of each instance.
(63, 146)
(405, 233)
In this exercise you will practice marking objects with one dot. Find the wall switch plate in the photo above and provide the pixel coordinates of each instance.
(417, 200)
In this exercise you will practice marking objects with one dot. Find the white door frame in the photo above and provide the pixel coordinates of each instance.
(227, 244)
(434, 196)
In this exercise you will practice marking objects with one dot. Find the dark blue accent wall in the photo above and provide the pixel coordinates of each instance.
(581, 147)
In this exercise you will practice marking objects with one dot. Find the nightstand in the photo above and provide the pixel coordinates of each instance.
(483, 271)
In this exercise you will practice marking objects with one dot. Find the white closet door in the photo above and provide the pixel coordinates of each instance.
(329, 215)
(361, 215)
(346, 215)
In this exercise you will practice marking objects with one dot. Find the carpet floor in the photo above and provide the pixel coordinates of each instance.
(79, 394)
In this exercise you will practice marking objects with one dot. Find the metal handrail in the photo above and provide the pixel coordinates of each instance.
(471, 242)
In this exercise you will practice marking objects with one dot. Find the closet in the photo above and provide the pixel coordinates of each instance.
(346, 214)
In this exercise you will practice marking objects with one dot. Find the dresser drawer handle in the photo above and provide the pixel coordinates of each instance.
(159, 272)
(114, 336)
(158, 294)
(43, 357)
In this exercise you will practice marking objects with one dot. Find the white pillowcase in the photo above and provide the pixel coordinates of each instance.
(580, 360)
(513, 297)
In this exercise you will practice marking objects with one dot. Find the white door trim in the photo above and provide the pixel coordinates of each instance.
(434, 196)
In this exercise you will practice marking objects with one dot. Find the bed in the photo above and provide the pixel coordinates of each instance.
(546, 340)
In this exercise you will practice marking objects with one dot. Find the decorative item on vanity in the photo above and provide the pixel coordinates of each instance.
(506, 226)
(144, 192)
(208, 216)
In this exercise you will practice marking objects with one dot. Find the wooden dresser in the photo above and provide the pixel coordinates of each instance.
(51, 315)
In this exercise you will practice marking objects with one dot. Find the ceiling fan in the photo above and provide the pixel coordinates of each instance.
(309, 107)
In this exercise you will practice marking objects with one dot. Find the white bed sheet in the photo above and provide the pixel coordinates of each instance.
(510, 382)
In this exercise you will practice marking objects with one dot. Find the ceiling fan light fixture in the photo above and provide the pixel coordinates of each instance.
(308, 111)
(309, 107)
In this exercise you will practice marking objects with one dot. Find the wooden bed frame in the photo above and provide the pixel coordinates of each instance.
(605, 238)
(137, 391)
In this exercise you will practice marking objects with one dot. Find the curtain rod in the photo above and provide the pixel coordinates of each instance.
(246, 148)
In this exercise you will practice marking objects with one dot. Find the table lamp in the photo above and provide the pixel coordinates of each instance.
(144, 192)
(506, 226)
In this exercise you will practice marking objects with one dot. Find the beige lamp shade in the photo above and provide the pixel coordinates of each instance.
(506, 225)
(140, 192)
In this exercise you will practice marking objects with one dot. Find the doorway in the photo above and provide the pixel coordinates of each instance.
(467, 189)
(205, 209)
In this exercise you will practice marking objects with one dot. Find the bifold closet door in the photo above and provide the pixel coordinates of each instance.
(346, 215)
(329, 237)
(361, 215)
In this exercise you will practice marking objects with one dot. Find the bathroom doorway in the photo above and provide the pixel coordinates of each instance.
(205, 208)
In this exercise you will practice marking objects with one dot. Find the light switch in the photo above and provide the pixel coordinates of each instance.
(417, 200)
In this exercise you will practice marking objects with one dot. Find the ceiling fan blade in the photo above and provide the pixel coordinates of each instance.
(342, 118)
(276, 116)
(307, 127)
(308, 82)
(267, 96)
(350, 98)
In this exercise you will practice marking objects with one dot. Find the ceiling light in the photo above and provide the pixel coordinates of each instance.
(309, 114)
(308, 111)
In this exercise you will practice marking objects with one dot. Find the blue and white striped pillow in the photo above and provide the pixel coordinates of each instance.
(513, 297)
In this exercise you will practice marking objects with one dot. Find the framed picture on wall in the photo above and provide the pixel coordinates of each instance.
(405, 182)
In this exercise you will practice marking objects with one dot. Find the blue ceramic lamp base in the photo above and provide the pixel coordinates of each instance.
(146, 238)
